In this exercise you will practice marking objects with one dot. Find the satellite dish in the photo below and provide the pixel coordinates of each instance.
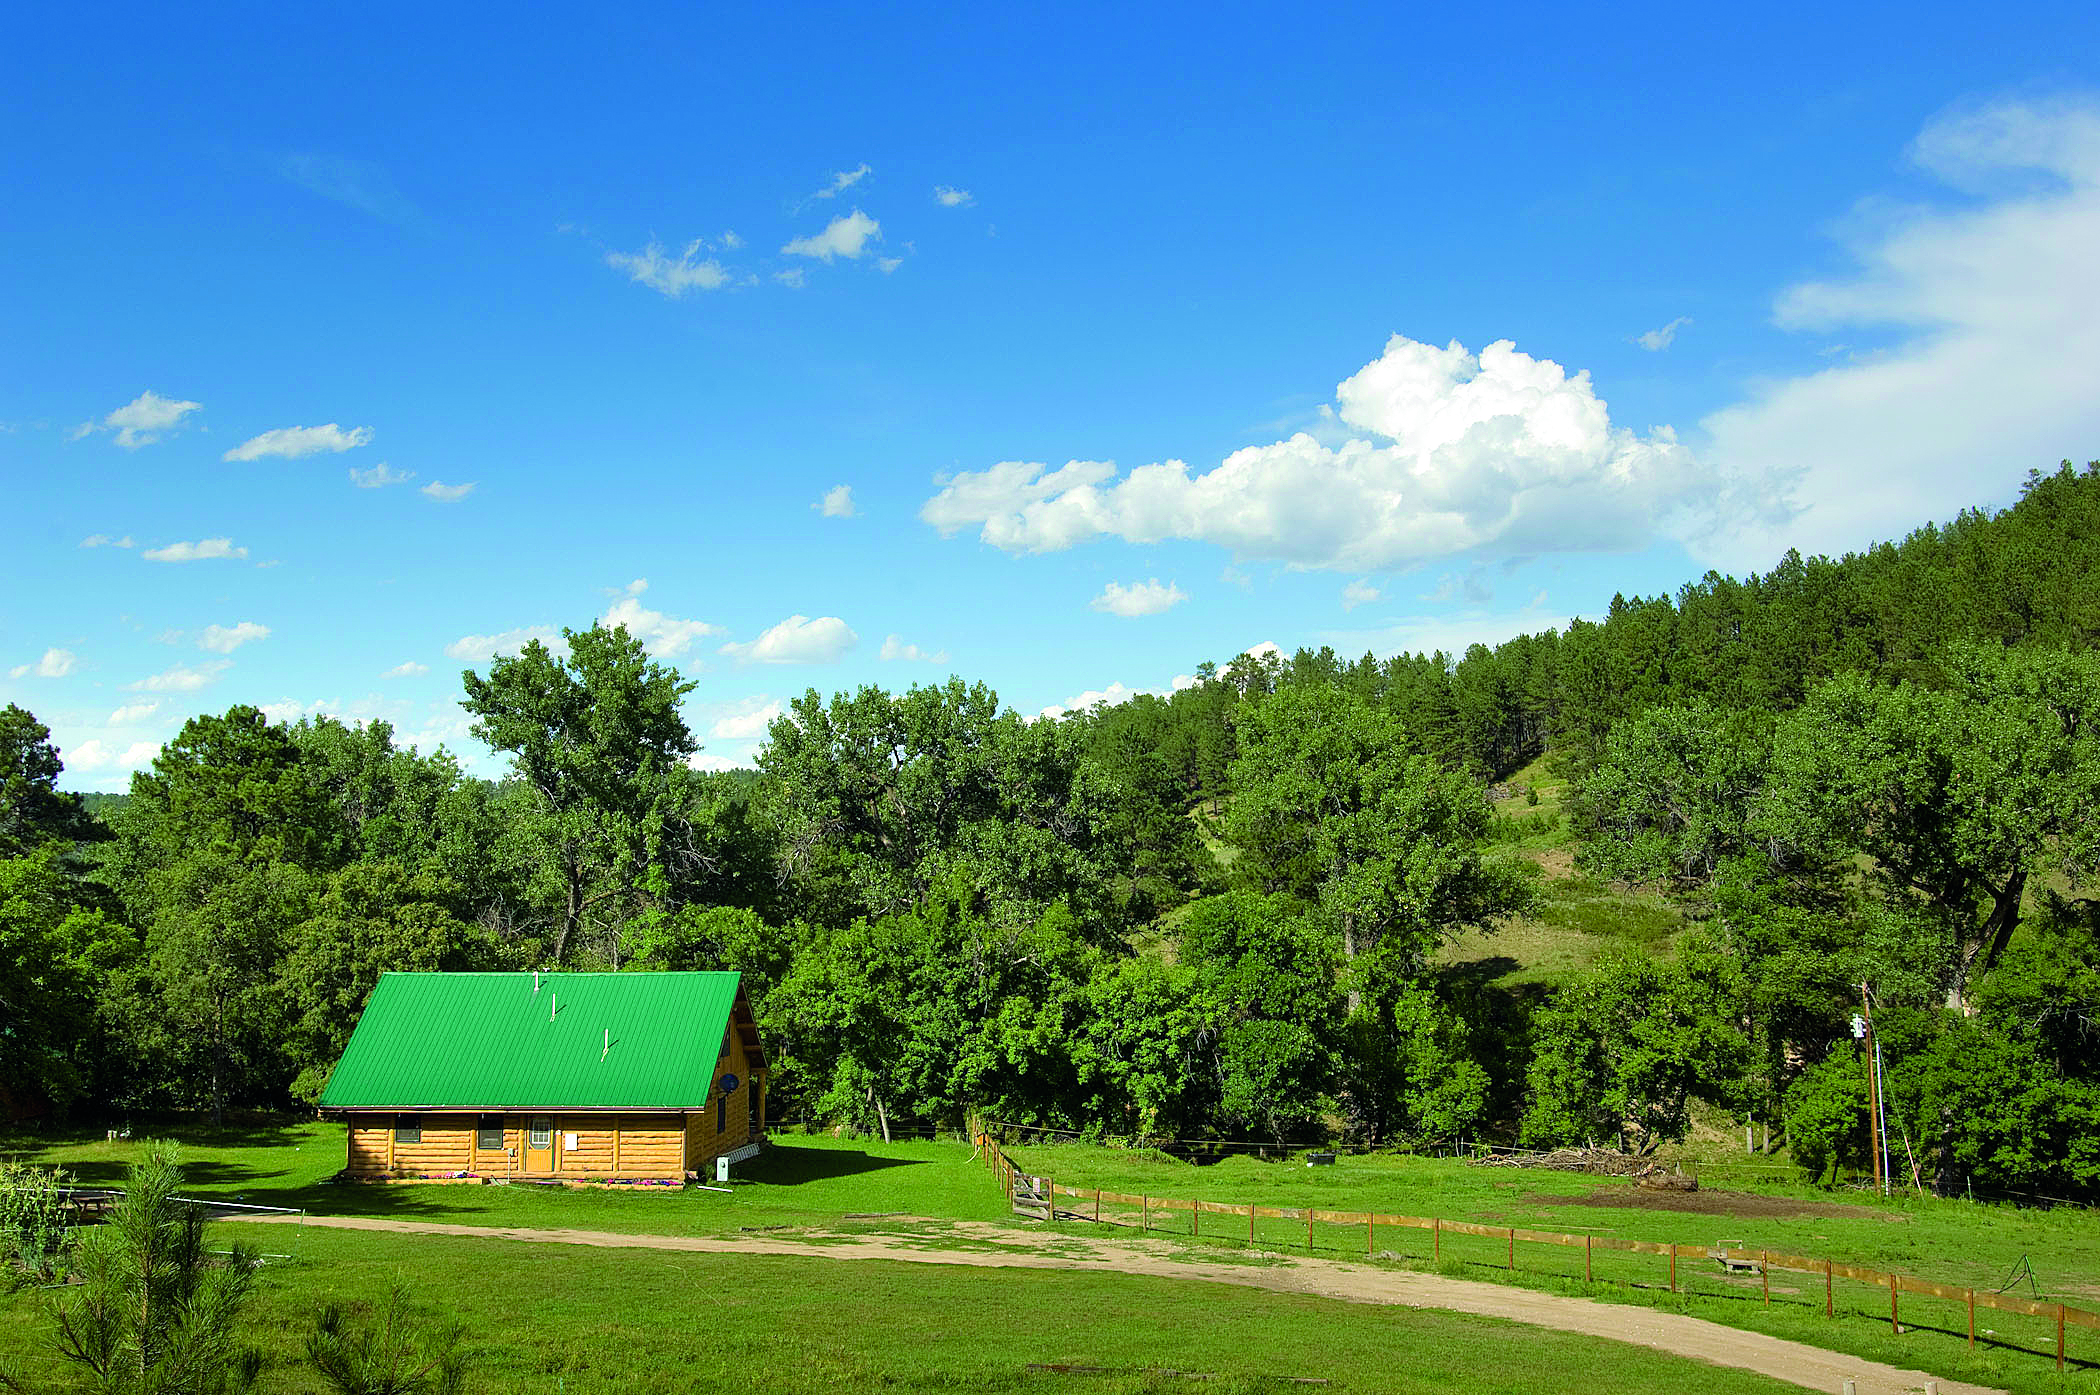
(729, 1083)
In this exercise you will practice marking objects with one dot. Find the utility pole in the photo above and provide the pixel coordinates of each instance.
(1863, 1030)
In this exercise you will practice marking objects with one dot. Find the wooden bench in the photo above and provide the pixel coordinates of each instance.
(1735, 1263)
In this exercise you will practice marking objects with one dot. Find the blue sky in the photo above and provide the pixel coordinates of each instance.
(338, 352)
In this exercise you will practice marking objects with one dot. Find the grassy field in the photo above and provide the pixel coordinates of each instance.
(823, 1181)
(548, 1317)
(1949, 1241)
(800, 1181)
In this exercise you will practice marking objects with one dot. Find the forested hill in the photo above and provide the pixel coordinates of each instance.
(1221, 913)
(2029, 574)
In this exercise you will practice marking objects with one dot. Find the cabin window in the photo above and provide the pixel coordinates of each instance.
(721, 1113)
(541, 1134)
(488, 1136)
(408, 1129)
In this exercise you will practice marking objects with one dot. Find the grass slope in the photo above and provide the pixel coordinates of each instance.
(1949, 1241)
(555, 1318)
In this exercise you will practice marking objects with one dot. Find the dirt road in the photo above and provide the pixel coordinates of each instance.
(1801, 1365)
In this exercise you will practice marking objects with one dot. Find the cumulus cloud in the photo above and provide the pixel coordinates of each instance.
(712, 762)
(886, 265)
(895, 650)
(846, 237)
(672, 276)
(203, 550)
(182, 678)
(949, 197)
(297, 442)
(410, 669)
(132, 712)
(1359, 592)
(445, 493)
(665, 636)
(794, 278)
(797, 640)
(379, 476)
(1441, 451)
(56, 663)
(100, 755)
(1656, 340)
(842, 181)
(105, 540)
(1993, 300)
(837, 502)
(748, 721)
(141, 421)
(223, 639)
(476, 649)
(1138, 598)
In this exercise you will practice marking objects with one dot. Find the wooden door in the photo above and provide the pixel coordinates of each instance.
(539, 1144)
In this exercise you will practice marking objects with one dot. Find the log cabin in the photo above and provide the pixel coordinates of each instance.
(617, 1078)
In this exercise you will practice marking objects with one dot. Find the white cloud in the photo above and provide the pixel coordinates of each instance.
(730, 241)
(410, 669)
(895, 650)
(948, 197)
(1114, 695)
(1426, 634)
(1471, 587)
(379, 476)
(203, 550)
(141, 421)
(445, 493)
(797, 640)
(837, 502)
(749, 721)
(481, 648)
(182, 679)
(886, 265)
(1452, 452)
(296, 442)
(132, 712)
(1656, 340)
(1359, 592)
(105, 540)
(1138, 598)
(794, 278)
(1993, 299)
(99, 755)
(664, 636)
(672, 277)
(846, 237)
(221, 639)
(842, 181)
(56, 663)
(357, 184)
(713, 762)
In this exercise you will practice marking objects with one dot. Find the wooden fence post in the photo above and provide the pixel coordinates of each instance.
(1195, 1219)
(1512, 1249)
(1829, 1310)
(1144, 1213)
(1585, 1259)
(1370, 1233)
(1436, 1227)
(1308, 1230)
(1049, 1199)
(1250, 1225)
(1895, 1323)
(1764, 1273)
(2059, 1336)
(1673, 1269)
(1972, 1317)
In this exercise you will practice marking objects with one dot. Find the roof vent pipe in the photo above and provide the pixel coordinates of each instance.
(608, 1045)
(535, 981)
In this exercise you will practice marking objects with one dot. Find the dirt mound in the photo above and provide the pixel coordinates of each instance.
(1703, 1203)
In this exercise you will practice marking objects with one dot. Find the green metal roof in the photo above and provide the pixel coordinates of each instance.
(493, 1041)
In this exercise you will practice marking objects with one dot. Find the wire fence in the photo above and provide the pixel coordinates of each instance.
(1728, 1269)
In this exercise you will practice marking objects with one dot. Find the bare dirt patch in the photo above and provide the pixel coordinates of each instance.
(1706, 1203)
(1557, 863)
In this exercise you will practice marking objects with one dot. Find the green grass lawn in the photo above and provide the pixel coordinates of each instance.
(1948, 1241)
(800, 1180)
(547, 1317)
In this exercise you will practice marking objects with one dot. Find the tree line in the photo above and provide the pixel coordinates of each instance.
(1215, 914)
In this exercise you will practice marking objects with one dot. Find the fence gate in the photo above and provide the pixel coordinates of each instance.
(1032, 1197)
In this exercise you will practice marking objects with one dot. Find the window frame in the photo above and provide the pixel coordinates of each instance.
(483, 1129)
(537, 1137)
(408, 1128)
